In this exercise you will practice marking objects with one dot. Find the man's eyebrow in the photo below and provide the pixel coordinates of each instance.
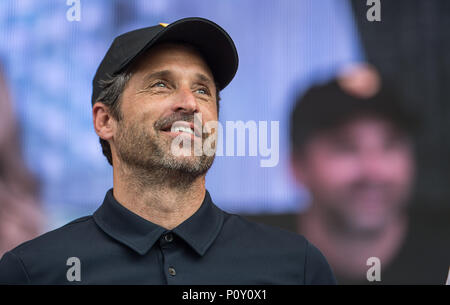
(165, 74)
(205, 79)
(157, 74)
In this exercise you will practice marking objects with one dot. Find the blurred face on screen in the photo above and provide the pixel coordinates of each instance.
(168, 87)
(359, 174)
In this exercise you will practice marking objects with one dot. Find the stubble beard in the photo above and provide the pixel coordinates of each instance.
(147, 154)
(350, 224)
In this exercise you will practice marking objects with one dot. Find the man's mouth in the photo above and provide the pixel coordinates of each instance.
(181, 127)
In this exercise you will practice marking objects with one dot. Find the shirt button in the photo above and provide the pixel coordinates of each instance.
(172, 271)
(168, 237)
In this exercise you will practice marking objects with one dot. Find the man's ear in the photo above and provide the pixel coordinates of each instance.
(104, 123)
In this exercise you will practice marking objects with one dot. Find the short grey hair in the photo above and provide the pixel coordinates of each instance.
(111, 95)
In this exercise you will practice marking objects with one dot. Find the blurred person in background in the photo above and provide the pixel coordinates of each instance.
(20, 211)
(353, 148)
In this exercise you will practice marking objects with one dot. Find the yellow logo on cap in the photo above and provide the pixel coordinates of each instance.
(164, 24)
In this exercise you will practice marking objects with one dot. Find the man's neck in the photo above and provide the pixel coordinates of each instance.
(166, 201)
(348, 254)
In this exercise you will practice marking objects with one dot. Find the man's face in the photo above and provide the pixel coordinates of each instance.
(359, 174)
(168, 87)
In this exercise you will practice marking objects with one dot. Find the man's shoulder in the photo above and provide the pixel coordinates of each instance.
(30, 261)
(265, 233)
(58, 238)
(286, 249)
(287, 221)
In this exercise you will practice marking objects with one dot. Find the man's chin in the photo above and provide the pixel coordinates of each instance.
(194, 165)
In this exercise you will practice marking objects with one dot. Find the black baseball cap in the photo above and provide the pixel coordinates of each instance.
(326, 106)
(214, 44)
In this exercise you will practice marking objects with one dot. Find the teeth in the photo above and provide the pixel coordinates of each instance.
(182, 129)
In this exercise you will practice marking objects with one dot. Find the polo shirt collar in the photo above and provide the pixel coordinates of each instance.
(199, 231)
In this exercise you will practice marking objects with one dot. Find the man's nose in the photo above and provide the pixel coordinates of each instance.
(375, 166)
(185, 101)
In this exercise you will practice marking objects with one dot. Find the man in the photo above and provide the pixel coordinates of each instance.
(158, 225)
(353, 150)
(358, 164)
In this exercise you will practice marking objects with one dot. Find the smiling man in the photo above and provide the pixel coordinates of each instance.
(158, 224)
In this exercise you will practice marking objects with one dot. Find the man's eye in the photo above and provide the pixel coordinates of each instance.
(344, 148)
(202, 91)
(159, 85)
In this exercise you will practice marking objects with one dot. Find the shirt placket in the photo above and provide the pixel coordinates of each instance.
(168, 247)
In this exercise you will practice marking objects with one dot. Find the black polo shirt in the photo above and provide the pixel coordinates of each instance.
(116, 246)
